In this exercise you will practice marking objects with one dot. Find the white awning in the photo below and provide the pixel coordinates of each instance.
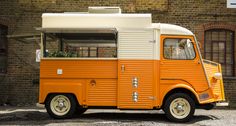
(78, 30)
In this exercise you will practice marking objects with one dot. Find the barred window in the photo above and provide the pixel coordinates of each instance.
(219, 47)
(3, 49)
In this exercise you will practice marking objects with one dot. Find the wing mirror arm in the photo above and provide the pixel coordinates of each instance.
(199, 44)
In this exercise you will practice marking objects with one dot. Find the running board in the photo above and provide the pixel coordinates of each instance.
(38, 105)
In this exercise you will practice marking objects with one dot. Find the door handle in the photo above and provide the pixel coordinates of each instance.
(197, 61)
(122, 68)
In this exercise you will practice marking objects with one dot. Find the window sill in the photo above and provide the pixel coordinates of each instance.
(68, 58)
(229, 78)
(3, 74)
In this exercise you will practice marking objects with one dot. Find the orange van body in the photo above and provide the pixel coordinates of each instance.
(107, 82)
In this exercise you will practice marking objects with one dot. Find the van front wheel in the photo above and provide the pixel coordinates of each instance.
(61, 106)
(179, 107)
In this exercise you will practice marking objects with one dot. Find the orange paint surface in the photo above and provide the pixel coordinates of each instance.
(144, 71)
(216, 85)
(76, 78)
(188, 74)
(78, 68)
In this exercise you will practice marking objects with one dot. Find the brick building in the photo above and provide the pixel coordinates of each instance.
(213, 23)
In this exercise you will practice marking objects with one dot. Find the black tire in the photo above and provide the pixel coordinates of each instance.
(80, 110)
(187, 109)
(208, 106)
(72, 105)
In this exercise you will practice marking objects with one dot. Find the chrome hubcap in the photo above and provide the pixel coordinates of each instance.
(60, 105)
(180, 108)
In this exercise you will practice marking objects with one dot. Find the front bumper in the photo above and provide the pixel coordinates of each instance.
(222, 104)
(38, 105)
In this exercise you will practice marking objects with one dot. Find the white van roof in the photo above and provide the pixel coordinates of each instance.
(170, 29)
(102, 21)
(87, 20)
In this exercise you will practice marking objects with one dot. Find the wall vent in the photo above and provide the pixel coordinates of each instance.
(105, 10)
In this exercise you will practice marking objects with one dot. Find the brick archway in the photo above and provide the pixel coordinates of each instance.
(200, 30)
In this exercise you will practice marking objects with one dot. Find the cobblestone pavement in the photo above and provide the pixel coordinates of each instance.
(101, 117)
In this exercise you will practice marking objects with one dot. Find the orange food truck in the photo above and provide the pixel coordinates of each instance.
(107, 59)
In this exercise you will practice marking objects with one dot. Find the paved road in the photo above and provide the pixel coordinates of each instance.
(95, 117)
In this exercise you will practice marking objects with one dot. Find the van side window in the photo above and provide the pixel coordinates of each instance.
(81, 45)
(179, 49)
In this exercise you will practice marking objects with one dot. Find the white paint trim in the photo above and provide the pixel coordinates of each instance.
(75, 20)
(135, 44)
(231, 3)
(156, 46)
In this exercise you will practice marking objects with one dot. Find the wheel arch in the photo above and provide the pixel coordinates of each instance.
(182, 88)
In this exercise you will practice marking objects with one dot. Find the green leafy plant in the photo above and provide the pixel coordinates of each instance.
(62, 54)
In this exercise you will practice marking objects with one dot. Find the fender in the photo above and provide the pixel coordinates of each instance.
(66, 86)
(175, 86)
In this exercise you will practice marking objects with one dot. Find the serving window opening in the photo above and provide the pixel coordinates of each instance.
(92, 44)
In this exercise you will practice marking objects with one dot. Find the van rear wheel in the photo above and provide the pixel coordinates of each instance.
(61, 106)
(179, 107)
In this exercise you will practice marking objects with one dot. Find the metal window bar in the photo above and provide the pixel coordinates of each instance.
(225, 63)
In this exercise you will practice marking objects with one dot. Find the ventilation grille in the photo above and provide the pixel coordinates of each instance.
(104, 10)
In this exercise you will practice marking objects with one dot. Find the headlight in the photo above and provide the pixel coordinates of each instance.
(217, 76)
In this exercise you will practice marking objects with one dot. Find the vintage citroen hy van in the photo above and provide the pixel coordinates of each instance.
(107, 59)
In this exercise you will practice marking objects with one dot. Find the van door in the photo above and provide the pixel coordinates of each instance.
(135, 69)
(181, 64)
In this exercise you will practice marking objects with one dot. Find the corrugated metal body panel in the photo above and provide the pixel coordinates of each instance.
(78, 68)
(144, 71)
(51, 85)
(135, 44)
(186, 70)
(212, 68)
(77, 76)
(103, 93)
